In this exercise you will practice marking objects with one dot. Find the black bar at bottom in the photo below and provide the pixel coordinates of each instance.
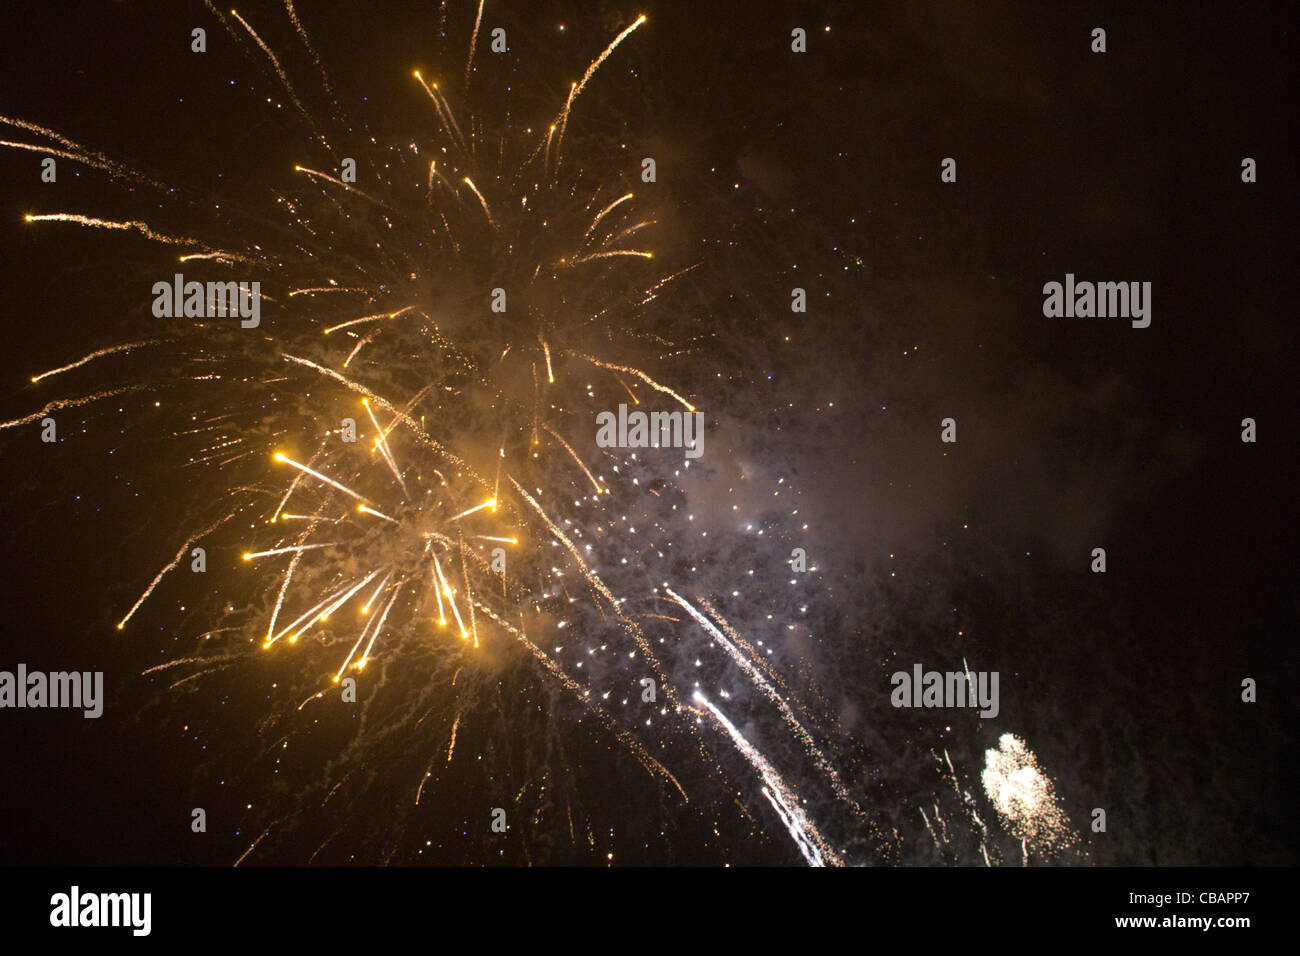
(672, 906)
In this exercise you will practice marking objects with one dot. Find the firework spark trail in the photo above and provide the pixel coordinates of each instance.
(483, 202)
(250, 555)
(369, 318)
(111, 350)
(428, 773)
(56, 404)
(310, 614)
(168, 665)
(550, 373)
(197, 675)
(450, 595)
(792, 721)
(381, 443)
(365, 655)
(631, 394)
(365, 608)
(316, 173)
(638, 373)
(279, 71)
(599, 586)
(180, 555)
(252, 846)
(968, 802)
(78, 153)
(324, 615)
(811, 852)
(91, 222)
(289, 491)
(469, 594)
(653, 292)
(635, 227)
(807, 838)
(491, 503)
(357, 348)
(61, 153)
(344, 598)
(387, 406)
(447, 118)
(433, 171)
(546, 159)
(311, 50)
(225, 258)
(280, 456)
(595, 65)
(563, 120)
(284, 587)
(451, 747)
(585, 470)
(759, 659)
(584, 695)
(437, 590)
(331, 559)
(602, 214)
(221, 663)
(312, 290)
(933, 836)
(610, 254)
(473, 41)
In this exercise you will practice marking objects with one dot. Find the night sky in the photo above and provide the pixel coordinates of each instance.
(775, 170)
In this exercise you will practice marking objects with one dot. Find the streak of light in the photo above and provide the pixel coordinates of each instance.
(785, 801)
(280, 456)
(111, 350)
(639, 374)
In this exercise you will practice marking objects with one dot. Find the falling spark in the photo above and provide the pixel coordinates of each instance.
(473, 41)
(369, 318)
(769, 691)
(365, 509)
(578, 87)
(91, 222)
(180, 555)
(483, 202)
(603, 213)
(275, 64)
(280, 456)
(365, 655)
(574, 455)
(451, 747)
(250, 555)
(785, 801)
(490, 503)
(612, 253)
(111, 350)
(337, 182)
(639, 374)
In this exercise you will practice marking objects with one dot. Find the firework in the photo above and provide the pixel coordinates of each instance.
(400, 451)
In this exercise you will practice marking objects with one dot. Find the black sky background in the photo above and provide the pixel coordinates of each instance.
(1073, 433)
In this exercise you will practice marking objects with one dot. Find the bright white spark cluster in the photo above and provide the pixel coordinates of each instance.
(1025, 800)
